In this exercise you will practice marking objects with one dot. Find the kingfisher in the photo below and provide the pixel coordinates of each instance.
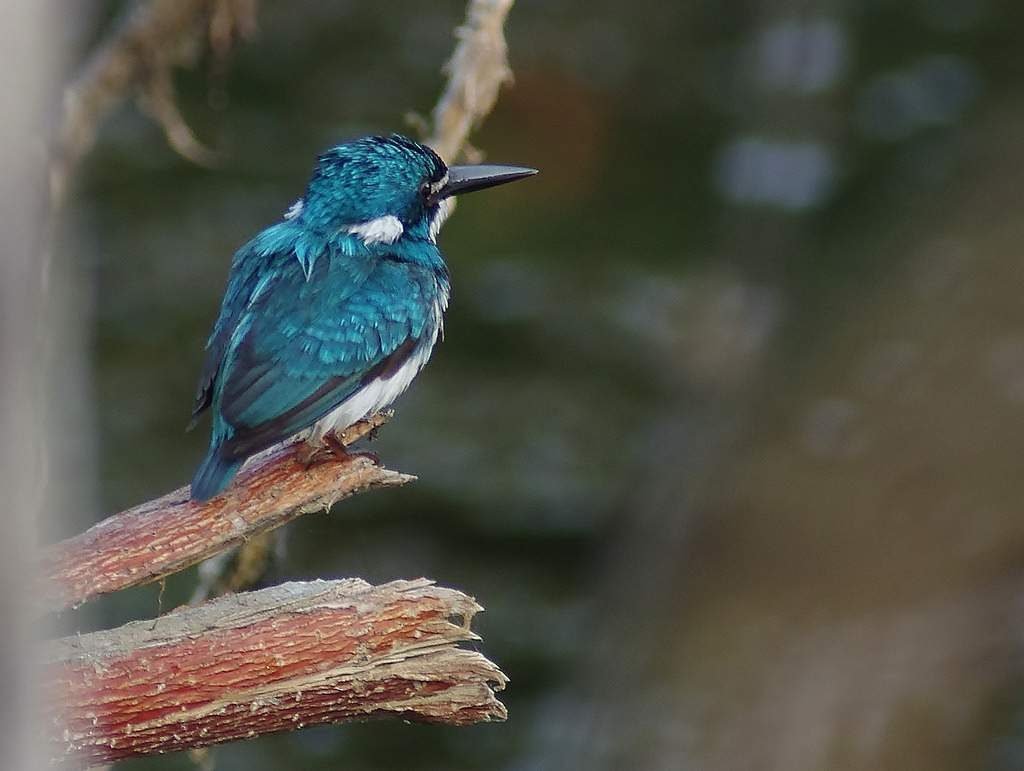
(329, 314)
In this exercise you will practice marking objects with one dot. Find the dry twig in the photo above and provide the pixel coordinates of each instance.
(137, 61)
(477, 70)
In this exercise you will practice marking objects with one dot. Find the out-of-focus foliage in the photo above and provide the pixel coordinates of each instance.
(727, 426)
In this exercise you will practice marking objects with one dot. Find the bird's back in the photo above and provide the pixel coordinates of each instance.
(292, 346)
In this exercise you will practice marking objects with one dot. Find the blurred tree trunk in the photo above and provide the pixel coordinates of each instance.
(34, 338)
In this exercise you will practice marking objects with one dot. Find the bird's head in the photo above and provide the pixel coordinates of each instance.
(381, 188)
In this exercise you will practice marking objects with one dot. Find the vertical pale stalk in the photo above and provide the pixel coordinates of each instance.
(30, 331)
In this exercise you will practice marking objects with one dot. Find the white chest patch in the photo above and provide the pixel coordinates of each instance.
(381, 392)
(374, 396)
(382, 230)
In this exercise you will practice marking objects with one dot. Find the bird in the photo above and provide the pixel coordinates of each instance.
(330, 313)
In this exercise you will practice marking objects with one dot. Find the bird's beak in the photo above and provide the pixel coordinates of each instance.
(466, 179)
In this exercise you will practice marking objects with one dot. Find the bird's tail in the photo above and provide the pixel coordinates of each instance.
(214, 474)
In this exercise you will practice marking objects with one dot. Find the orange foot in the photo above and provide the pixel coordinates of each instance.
(332, 445)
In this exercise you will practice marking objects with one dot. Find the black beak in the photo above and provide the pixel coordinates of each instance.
(466, 179)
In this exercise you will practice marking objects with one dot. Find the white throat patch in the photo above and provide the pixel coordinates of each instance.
(382, 230)
(444, 209)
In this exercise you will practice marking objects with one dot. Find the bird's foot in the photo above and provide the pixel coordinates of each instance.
(340, 449)
(334, 445)
(309, 453)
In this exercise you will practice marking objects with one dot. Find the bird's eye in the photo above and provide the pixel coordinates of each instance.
(425, 189)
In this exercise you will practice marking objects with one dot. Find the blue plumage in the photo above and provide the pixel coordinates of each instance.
(330, 313)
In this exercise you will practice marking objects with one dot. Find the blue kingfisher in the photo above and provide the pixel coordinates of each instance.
(329, 314)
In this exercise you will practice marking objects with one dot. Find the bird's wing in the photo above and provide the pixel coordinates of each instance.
(254, 268)
(304, 346)
(247, 270)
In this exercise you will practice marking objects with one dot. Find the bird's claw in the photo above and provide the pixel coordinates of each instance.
(331, 444)
(309, 454)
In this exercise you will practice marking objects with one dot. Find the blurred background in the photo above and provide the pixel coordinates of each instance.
(726, 428)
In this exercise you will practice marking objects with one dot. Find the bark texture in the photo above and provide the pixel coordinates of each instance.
(274, 660)
(169, 534)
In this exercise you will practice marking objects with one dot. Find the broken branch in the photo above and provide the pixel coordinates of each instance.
(274, 660)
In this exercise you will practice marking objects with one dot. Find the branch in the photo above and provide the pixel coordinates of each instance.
(477, 70)
(136, 60)
(171, 533)
(275, 660)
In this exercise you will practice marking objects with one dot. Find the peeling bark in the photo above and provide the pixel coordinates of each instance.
(279, 659)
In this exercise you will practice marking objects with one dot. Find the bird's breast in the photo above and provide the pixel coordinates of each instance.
(392, 380)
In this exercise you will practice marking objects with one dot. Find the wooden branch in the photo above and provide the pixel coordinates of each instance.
(136, 60)
(275, 660)
(476, 72)
(171, 533)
